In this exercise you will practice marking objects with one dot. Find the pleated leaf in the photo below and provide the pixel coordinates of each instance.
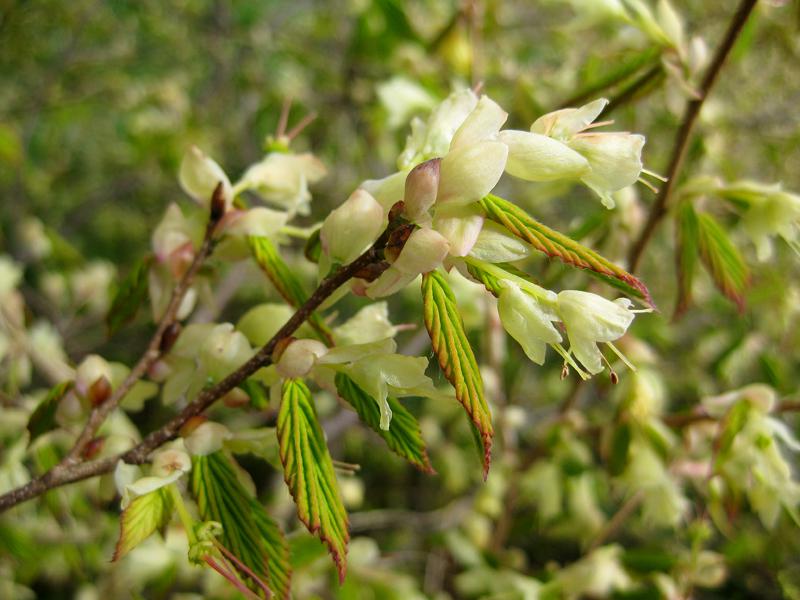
(221, 497)
(557, 245)
(403, 437)
(142, 517)
(722, 259)
(687, 242)
(456, 358)
(308, 471)
(131, 294)
(285, 281)
(278, 562)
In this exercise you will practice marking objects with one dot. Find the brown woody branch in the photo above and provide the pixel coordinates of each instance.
(154, 349)
(684, 135)
(65, 473)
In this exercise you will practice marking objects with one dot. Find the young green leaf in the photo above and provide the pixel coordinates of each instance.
(221, 497)
(403, 437)
(43, 418)
(131, 294)
(141, 518)
(456, 358)
(308, 471)
(557, 245)
(285, 281)
(722, 259)
(687, 232)
(278, 560)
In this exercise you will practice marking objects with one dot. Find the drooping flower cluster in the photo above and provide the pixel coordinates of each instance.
(449, 164)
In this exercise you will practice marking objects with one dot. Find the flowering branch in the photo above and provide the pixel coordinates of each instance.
(684, 135)
(371, 261)
(159, 343)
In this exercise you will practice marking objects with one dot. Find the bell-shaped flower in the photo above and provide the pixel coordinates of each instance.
(168, 465)
(91, 369)
(558, 147)
(424, 250)
(528, 320)
(352, 227)
(223, 351)
(536, 157)
(283, 179)
(207, 438)
(200, 175)
(299, 357)
(591, 319)
(495, 244)
(174, 240)
(615, 159)
(432, 138)
(775, 212)
(380, 372)
(258, 221)
(475, 161)
(203, 351)
(369, 324)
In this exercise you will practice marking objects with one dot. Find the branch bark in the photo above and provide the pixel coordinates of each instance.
(151, 354)
(65, 473)
(684, 135)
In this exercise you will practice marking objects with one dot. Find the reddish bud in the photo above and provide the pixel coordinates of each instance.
(218, 204)
(99, 391)
(93, 448)
(397, 240)
(236, 398)
(191, 424)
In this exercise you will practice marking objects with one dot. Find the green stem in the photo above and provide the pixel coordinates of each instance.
(183, 514)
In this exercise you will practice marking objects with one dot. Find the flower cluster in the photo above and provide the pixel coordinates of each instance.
(449, 164)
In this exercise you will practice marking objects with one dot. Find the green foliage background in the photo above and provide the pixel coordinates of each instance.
(98, 103)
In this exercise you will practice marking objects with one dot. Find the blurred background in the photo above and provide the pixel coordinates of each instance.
(100, 100)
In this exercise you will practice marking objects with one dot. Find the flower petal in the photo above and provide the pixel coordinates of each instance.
(468, 173)
(536, 157)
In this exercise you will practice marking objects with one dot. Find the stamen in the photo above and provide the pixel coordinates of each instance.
(304, 122)
(477, 87)
(648, 185)
(571, 361)
(346, 468)
(621, 356)
(284, 118)
(655, 175)
(611, 372)
(564, 371)
(598, 124)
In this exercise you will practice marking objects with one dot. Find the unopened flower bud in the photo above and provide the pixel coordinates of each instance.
(89, 371)
(207, 438)
(218, 203)
(93, 448)
(422, 184)
(352, 227)
(99, 391)
(191, 424)
(236, 398)
(259, 221)
(299, 357)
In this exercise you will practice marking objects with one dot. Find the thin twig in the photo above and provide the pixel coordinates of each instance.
(151, 355)
(63, 474)
(684, 135)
